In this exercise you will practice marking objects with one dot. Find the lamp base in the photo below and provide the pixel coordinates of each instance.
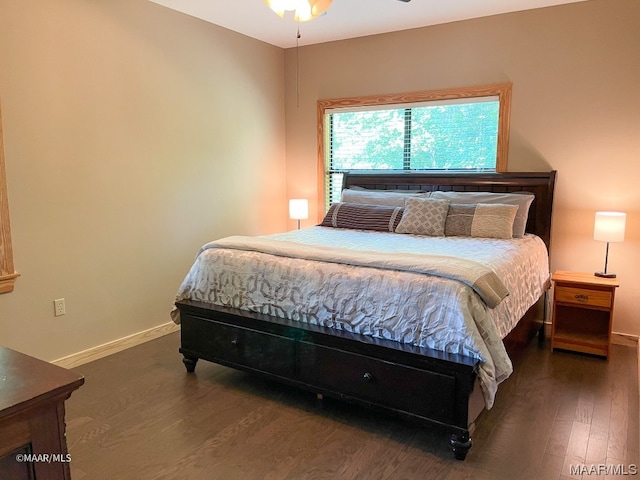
(605, 275)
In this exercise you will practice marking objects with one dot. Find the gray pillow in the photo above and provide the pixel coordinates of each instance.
(390, 198)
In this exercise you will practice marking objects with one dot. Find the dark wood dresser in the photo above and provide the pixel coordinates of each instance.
(32, 426)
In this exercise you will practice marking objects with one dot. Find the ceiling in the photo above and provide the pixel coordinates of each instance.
(345, 18)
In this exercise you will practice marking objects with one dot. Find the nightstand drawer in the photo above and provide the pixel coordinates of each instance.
(583, 296)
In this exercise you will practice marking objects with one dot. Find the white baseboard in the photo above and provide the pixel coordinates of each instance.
(624, 339)
(115, 346)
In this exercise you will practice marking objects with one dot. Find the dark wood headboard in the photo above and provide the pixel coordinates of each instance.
(541, 184)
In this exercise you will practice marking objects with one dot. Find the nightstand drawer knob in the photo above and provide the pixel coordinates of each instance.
(581, 297)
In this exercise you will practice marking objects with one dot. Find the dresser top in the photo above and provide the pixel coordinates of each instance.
(26, 382)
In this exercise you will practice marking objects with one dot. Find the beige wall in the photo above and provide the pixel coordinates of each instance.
(133, 135)
(576, 108)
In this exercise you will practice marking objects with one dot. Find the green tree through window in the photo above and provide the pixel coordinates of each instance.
(460, 132)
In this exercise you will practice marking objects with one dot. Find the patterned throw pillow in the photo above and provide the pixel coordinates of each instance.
(363, 217)
(480, 220)
(424, 216)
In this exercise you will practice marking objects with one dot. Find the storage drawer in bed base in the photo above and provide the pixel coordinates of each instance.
(378, 381)
(238, 346)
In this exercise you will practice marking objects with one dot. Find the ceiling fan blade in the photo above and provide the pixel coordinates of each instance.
(405, 1)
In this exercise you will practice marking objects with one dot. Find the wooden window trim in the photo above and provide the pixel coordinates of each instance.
(502, 90)
(7, 273)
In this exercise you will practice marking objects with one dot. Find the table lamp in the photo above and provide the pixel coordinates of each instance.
(298, 209)
(609, 227)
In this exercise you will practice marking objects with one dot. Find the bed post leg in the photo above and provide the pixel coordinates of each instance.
(460, 444)
(545, 306)
(190, 363)
(541, 334)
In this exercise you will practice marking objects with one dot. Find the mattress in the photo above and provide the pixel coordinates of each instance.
(405, 300)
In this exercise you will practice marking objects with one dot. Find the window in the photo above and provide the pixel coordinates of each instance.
(455, 129)
(7, 273)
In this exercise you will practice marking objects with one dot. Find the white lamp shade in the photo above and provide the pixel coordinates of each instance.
(609, 226)
(298, 208)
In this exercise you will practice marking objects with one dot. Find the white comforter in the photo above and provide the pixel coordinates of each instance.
(404, 306)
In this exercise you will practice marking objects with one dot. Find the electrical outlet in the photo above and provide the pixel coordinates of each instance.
(59, 307)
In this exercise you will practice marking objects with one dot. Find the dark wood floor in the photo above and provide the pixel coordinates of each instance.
(140, 416)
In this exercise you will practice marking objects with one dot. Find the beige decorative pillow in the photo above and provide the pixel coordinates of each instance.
(523, 200)
(424, 216)
(481, 220)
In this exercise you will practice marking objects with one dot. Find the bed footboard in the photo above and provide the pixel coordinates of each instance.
(415, 383)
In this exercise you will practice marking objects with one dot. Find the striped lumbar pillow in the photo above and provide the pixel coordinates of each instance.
(363, 217)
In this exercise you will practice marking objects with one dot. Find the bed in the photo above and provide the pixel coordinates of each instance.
(434, 380)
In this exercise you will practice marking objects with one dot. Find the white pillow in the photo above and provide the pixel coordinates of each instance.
(523, 200)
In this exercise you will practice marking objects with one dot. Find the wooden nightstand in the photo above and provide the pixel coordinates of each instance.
(582, 312)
